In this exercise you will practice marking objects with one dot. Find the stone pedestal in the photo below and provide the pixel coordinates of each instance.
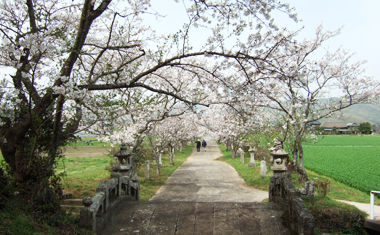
(252, 162)
(263, 169)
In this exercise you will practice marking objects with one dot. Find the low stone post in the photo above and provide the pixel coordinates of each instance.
(252, 162)
(147, 170)
(87, 216)
(263, 169)
(241, 155)
(160, 159)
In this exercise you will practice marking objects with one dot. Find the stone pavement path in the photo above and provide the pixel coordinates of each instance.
(202, 178)
(203, 196)
(179, 218)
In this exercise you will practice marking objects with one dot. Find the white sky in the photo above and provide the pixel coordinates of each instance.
(360, 34)
(360, 21)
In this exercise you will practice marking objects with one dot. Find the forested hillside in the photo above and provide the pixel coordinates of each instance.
(358, 113)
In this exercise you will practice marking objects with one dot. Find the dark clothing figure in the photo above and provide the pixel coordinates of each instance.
(198, 145)
(204, 144)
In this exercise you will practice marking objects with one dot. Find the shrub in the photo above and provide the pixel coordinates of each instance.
(261, 153)
(322, 187)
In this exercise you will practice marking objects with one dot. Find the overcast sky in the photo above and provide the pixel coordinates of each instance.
(360, 21)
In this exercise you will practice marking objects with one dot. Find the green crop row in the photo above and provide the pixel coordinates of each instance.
(355, 166)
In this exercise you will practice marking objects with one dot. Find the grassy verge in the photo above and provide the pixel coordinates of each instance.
(82, 174)
(335, 217)
(17, 220)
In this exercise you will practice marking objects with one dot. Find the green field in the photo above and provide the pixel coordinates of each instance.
(352, 160)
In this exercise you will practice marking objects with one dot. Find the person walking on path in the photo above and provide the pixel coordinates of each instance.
(198, 146)
(204, 144)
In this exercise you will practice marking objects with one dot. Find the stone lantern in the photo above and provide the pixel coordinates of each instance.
(279, 161)
(252, 162)
(125, 165)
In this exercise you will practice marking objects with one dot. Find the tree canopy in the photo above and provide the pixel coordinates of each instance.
(94, 65)
(365, 128)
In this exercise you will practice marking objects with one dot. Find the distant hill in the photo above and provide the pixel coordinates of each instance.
(357, 113)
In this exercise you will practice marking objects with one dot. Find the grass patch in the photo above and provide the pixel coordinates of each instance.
(15, 219)
(336, 217)
(82, 174)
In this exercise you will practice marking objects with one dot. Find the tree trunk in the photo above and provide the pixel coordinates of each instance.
(301, 159)
(295, 157)
(233, 150)
(158, 171)
(156, 155)
(171, 154)
(302, 170)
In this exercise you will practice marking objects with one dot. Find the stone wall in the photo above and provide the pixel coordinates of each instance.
(283, 192)
(109, 194)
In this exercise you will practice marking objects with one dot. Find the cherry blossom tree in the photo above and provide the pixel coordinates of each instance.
(172, 131)
(306, 88)
(75, 63)
(230, 124)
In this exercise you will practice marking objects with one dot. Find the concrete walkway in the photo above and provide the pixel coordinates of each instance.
(203, 196)
(202, 178)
